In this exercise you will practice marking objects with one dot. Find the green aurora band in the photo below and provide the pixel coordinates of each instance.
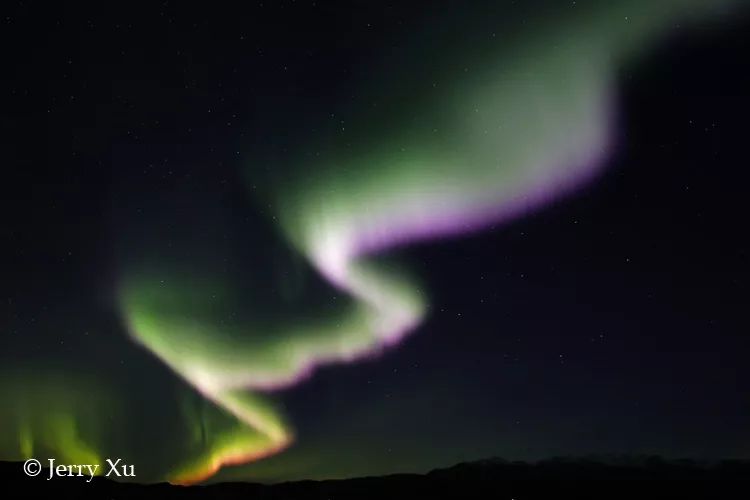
(450, 139)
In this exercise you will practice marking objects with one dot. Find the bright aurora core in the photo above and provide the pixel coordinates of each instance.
(451, 135)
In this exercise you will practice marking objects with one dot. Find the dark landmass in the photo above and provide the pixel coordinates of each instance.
(600, 478)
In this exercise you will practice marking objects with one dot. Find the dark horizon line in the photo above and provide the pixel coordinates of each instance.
(600, 463)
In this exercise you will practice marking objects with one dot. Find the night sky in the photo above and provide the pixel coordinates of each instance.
(336, 239)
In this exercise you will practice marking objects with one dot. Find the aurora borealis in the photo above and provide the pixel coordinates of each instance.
(252, 267)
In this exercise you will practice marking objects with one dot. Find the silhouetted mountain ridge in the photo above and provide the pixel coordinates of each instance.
(562, 477)
(598, 467)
